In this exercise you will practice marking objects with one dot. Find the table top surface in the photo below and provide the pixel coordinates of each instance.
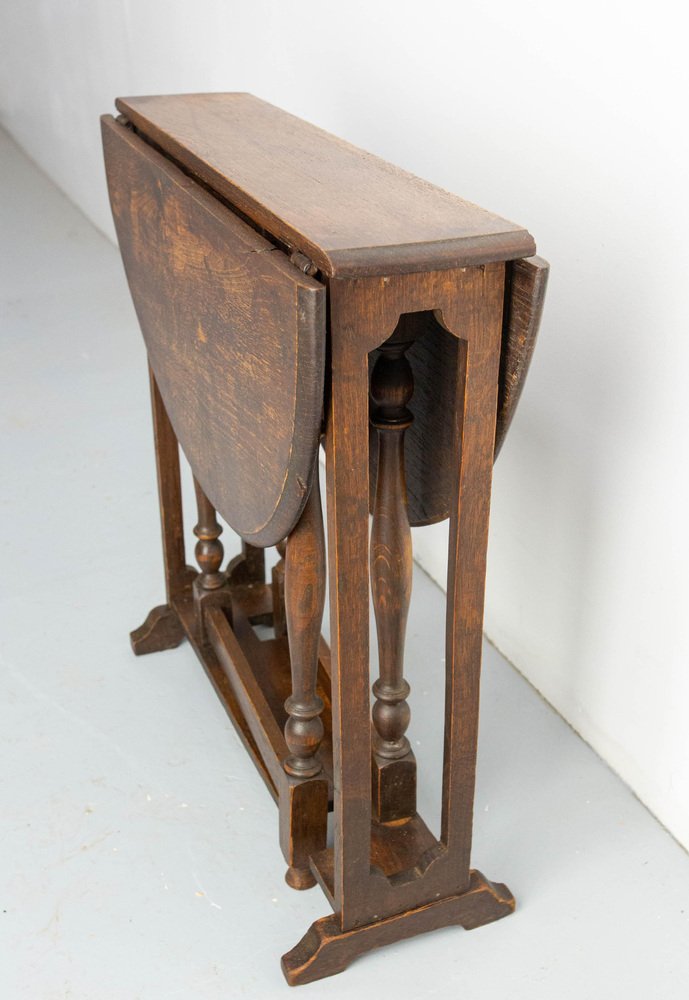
(351, 212)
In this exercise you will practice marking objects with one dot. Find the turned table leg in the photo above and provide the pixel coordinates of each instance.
(209, 549)
(394, 769)
(278, 591)
(304, 602)
(304, 596)
(210, 586)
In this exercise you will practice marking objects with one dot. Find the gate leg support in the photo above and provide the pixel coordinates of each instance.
(304, 595)
(162, 628)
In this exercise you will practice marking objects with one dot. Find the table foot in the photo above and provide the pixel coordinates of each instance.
(326, 950)
(161, 630)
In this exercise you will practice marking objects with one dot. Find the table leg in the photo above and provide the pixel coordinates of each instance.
(162, 628)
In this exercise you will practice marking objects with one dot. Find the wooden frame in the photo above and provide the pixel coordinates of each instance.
(304, 713)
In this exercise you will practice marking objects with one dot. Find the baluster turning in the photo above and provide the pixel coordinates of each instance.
(209, 549)
(392, 386)
(304, 602)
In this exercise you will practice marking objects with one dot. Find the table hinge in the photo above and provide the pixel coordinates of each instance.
(303, 262)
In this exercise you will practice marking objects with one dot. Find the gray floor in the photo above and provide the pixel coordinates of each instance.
(139, 848)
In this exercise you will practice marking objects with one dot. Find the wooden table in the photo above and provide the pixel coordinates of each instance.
(293, 289)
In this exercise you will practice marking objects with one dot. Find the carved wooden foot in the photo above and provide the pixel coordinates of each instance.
(161, 630)
(326, 950)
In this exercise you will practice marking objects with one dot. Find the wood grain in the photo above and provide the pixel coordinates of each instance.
(429, 442)
(364, 313)
(162, 628)
(526, 286)
(235, 336)
(326, 949)
(226, 208)
(304, 596)
(351, 212)
(429, 468)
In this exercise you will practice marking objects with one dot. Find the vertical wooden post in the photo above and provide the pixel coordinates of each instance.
(278, 592)
(210, 586)
(162, 628)
(304, 603)
(479, 323)
(247, 567)
(394, 769)
(255, 561)
(394, 879)
(304, 801)
(170, 495)
(347, 514)
(209, 549)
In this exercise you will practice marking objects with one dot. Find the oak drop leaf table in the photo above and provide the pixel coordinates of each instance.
(293, 290)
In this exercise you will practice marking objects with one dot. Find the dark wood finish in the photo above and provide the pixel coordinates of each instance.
(393, 767)
(234, 322)
(186, 610)
(303, 828)
(304, 595)
(399, 851)
(526, 288)
(303, 801)
(268, 660)
(393, 787)
(350, 212)
(248, 567)
(363, 314)
(210, 586)
(429, 442)
(348, 581)
(428, 460)
(392, 386)
(326, 949)
(278, 585)
(162, 628)
(235, 336)
(170, 495)
(209, 550)
(303, 804)
(475, 414)
(253, 703)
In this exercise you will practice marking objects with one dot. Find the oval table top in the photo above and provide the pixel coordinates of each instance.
(235, 335)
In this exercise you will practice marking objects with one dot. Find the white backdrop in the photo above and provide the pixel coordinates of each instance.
(569, 121)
